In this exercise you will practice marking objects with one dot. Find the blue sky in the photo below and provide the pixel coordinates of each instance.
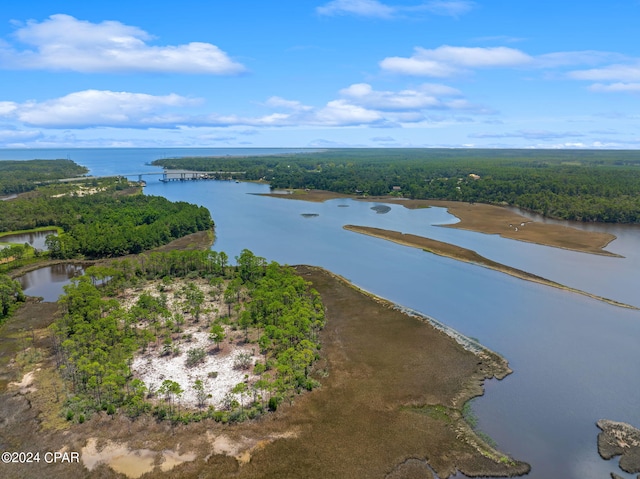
(327, 73)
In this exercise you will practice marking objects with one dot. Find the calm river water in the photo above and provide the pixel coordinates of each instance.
(575, 359)
(36, 239)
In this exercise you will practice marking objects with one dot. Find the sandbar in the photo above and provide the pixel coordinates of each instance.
(459, 253)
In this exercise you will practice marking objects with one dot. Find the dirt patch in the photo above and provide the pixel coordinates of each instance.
(26, 385)
(133, 463)
(448, 250)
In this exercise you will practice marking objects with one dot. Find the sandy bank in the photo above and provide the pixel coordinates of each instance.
(468, 256)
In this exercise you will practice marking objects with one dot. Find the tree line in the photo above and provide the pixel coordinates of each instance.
(106, 223)
(10, 296)
(21, 176)
(582, 185)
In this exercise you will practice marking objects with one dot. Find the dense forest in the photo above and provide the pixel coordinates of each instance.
(102, 218)
(268, 305)
(21, 176)
(582, 185)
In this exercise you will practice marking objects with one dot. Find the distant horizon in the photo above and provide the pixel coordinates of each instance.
(311, 148)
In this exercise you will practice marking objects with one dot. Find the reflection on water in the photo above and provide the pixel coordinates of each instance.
(35, 239)
(48, 282)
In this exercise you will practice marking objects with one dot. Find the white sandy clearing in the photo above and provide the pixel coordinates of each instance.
(153, 368)
(81, 191)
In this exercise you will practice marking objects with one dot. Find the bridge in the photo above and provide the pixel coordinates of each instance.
(167, 175)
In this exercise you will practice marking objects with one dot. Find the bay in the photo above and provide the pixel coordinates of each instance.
(575, 359)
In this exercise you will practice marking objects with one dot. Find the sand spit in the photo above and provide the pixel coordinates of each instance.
(448, 250)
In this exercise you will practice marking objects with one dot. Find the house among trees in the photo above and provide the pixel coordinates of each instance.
(473, 176)
(396, 188)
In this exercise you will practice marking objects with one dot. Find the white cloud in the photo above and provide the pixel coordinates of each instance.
(12, 136)
(625, 77)
(425, 97)
(450, 8)
(92, 108)
(63, 42)
(530, 134)
(618, 72)
(616, 87)
(359, 104)
(377, 9)
(278, 102)
(343, 113)
(446, 60)
(581, 57)
(7, 107)
(364, 8)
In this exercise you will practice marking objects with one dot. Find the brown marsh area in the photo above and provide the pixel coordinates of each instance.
(489, 219)
(390, 406)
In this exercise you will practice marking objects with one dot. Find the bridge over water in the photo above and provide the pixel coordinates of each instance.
(168, 175)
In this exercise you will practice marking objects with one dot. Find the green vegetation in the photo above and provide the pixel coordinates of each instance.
(20, 176)
(470, 417)
(103, 222)
(98, 336)
(583, 185)
(10, 295)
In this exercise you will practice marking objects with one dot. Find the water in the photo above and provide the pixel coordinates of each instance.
(49, 282)
(575, 359)
(36, 239)
(130, 161)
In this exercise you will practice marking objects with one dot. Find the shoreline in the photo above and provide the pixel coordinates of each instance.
(484, 218)
(458, 253)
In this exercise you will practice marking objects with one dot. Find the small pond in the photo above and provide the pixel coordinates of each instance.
(48, 282)
(35, 239)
